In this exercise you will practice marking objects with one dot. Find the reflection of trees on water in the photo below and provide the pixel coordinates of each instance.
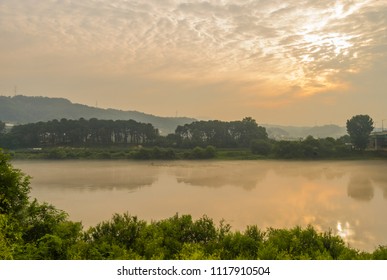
(360, 188)
(381, 181)
(364, 176)
(94, 175)
(363, 182)
(243, 175)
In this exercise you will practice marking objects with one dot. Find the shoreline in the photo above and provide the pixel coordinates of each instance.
(171, 154)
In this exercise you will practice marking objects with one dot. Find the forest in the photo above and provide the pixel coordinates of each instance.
(107, 133)
(128, 139)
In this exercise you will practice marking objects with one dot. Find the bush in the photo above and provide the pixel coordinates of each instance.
(287, 149)
(210, 152)
(380, 253)
(57, 154)
(200, 153)
(142, 153)
(261, 147)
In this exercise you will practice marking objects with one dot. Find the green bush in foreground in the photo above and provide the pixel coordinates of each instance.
(177, 237)
(30, 230)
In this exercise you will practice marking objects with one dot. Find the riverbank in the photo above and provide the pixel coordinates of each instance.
(156, 153)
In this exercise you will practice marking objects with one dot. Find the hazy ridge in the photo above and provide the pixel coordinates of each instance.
(21, 109)
(279, 132)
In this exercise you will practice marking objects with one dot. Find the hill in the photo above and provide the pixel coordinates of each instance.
(21, 109)
(294, 132)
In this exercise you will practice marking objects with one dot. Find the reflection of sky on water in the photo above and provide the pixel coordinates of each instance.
(347, 197)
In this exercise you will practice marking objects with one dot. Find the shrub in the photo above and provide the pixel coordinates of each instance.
(261, 147)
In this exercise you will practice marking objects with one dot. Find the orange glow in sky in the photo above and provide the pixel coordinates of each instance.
(283, 62)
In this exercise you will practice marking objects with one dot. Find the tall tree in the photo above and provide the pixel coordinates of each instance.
(359, 128)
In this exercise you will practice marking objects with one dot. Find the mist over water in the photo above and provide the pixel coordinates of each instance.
(348, 197)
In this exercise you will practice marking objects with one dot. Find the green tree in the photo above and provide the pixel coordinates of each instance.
(310, 147)
(9, 235)
(359, 128)
(40, 220)
(14, 188)
(210, 152)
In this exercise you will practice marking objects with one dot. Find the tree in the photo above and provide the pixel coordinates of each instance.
(248, 130)
(220, 134)
(359, 128)
(14, 188)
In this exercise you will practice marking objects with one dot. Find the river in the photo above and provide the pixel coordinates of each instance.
(348, 197)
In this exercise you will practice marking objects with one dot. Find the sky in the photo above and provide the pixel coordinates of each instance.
(289, 62)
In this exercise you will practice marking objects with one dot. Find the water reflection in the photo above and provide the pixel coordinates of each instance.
(363, 181)
(360, 188)
(310, 170)
(90, 175)
(237, 174)
(380, 180)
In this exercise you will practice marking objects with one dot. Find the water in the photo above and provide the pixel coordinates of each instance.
(350, 197)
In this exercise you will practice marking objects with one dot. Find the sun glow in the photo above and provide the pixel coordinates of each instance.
(344, 230)
(338, 42)
(322, 53)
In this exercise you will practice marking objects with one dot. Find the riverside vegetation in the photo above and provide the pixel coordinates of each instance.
(245, 139)
(33, 230)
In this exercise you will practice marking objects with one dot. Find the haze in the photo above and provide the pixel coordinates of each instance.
(286, 62)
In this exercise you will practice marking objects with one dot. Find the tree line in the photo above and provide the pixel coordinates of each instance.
(96, 132)
(93, 132)
(234, 134)
(197, 140)
(33, 230)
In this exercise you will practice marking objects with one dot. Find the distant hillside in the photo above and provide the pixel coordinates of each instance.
(25, 109)
(293, 132)
(21, 109)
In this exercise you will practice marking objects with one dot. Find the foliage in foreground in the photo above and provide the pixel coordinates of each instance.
(31, 230)
(177, 237)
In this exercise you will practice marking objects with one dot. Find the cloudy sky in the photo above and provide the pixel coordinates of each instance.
(299, 62)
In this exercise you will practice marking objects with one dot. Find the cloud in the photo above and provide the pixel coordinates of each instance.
(264, 48)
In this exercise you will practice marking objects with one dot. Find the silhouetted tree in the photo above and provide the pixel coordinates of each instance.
(219, 133)
(93, 132)
(359, 128)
